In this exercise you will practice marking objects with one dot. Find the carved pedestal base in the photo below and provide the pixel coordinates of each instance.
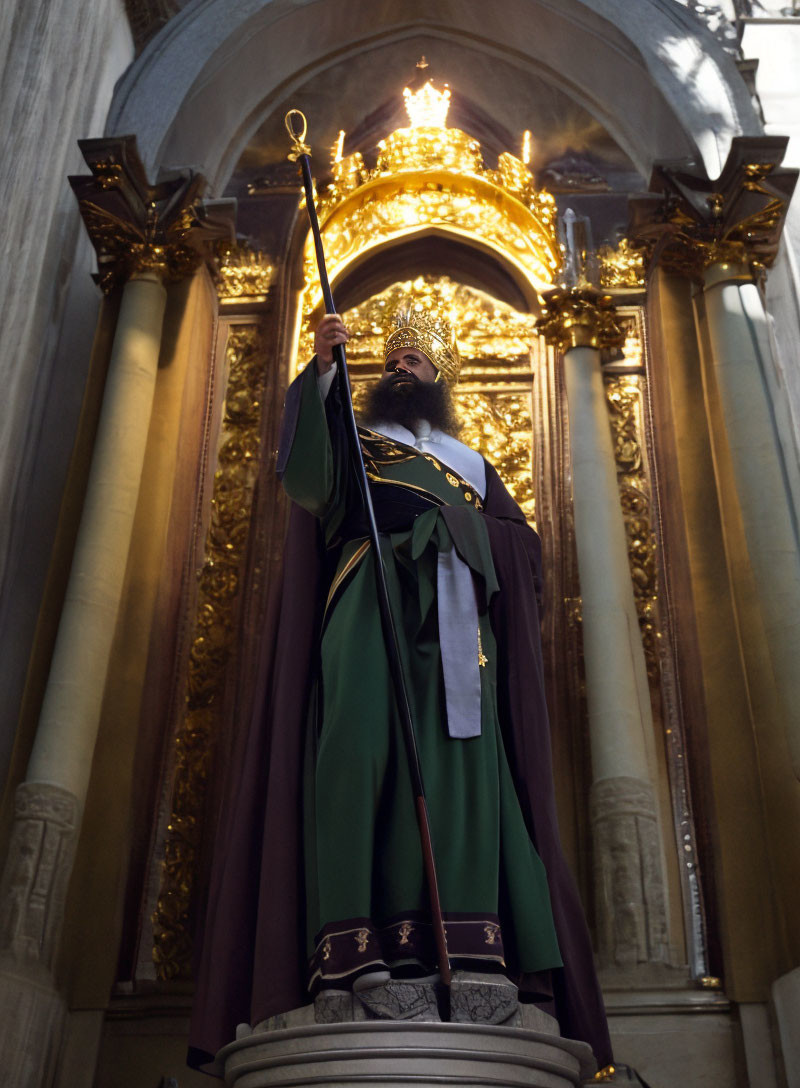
(31, 1023)
(629, 885)
(369, 1053)
(32, 894)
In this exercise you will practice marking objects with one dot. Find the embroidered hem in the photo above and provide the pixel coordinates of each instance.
(346, 948)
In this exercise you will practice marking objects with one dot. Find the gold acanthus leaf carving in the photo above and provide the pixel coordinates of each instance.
(500, 426)
(736, 219)
(420, 204)
(243, 273)
(624, 395)
(219, 584)
(580, 317)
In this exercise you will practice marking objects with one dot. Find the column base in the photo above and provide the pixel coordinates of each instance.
(370, 1053)
(630, 896)
(32, 1017)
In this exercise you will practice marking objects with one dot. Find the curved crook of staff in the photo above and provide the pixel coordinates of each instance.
(300, 153)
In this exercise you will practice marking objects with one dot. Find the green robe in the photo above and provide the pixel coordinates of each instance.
(366, 897)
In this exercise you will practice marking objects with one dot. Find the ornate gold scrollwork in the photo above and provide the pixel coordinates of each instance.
(499, 425)
(621, 267)
(429, 176)
(624, 398)
(243, 275)
(212, 642)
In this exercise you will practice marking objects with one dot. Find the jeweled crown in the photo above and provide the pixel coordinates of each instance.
(432, 334)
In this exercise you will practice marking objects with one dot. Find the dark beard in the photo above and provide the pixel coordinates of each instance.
(408, 400)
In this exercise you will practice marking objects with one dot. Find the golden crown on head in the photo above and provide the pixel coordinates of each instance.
(431, 334)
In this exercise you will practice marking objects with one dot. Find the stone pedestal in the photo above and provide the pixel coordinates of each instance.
(369, 1053)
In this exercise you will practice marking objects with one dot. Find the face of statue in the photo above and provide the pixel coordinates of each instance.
(408, 392)
(405, 364)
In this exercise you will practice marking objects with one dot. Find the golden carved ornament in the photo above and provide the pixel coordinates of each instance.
(432, 177)
(499, 425)
(243, 275)
(621, 267)
(624, 396)
(219, 584)
(430, 332)
(491, 335)
(573, 607)
(692, 223)
(580, 317)
(136, 227)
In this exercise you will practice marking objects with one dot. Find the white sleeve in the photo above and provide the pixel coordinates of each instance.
(325, 381)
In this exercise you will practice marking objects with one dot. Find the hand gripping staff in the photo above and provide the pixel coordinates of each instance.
(300, 153)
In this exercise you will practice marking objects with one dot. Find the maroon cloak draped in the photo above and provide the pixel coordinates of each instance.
(251, 960)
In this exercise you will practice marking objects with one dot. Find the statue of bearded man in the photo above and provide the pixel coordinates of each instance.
(324, 790)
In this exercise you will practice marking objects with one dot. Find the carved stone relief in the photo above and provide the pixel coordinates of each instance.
(631, 908)
(37, 872)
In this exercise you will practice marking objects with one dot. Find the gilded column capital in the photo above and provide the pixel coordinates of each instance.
(138, 228)
(580, 317)
(689, 222)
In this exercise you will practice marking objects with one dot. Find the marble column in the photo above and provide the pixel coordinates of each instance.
(723, 235)
(49, 802)
(630, 896)
(740, 352)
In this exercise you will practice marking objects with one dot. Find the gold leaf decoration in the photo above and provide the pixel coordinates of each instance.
(219, 583)
(499, 425)
(624, 396)
(243, 274)
(621, 267)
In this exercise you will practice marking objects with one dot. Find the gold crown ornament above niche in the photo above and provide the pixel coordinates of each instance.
(430, 177)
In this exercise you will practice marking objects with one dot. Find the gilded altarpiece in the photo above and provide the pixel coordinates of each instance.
(512, 404)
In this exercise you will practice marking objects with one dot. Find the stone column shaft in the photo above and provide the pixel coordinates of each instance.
(145, 235)
(65, 738)
(49, 803)
(616, 675)
(629, 873)
(740, 351)
(630, 882)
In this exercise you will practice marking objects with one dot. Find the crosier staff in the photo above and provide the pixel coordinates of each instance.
(300, 153)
